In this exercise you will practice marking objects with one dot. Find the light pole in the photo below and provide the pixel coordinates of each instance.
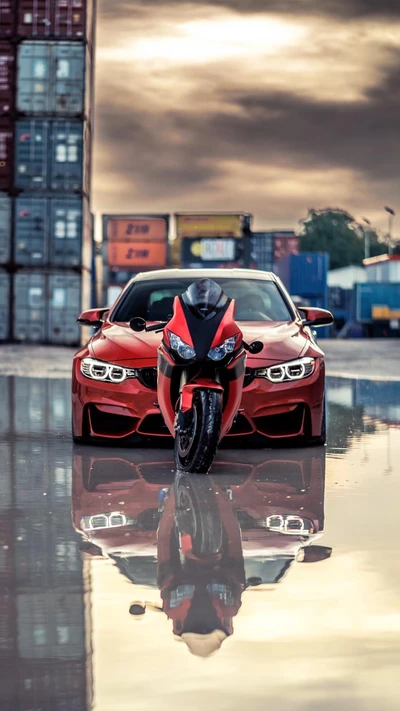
(391, 216)
(367, 236)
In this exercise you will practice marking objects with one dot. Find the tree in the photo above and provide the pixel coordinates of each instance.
(335, 231)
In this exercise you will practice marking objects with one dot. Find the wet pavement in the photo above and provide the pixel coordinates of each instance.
(118, 578)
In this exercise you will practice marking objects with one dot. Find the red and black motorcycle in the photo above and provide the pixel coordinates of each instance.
(201, 367)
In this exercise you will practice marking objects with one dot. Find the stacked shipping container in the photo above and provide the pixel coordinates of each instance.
(45, 615)
(46, 226)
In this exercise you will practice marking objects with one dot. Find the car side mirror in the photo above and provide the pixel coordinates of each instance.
(315, 317)
(137, 324)
(93, 317)
(256, 347)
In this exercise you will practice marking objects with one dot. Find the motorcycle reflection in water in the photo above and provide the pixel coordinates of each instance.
(202, 540)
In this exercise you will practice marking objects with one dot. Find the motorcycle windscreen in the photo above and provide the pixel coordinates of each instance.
(205, 298)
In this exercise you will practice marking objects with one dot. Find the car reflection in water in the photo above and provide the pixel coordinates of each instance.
(202, 540)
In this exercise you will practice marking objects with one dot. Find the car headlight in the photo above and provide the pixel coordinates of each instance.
(106, 372)
(287, 523)
(292, 370)
(183, 349)
(219, 352)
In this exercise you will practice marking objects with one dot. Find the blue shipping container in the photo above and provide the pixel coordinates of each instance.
(51, 78)
(375, 294)
(53, 231)
(49, 155)
(304, 274)
(262, 250)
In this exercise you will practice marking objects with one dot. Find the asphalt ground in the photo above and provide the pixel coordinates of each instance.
(375, 359)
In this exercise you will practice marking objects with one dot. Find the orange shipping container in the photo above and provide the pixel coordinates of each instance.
(137, 254)
(137, 229)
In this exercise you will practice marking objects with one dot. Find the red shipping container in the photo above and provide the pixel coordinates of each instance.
(6, 154)
(7, 17)
(7, 77)
(56, 19)
(285, 243)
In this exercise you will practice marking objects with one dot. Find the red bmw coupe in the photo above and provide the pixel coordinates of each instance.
(114, 377)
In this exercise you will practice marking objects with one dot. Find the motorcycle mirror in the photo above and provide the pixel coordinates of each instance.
(256, 347)
(137, 324)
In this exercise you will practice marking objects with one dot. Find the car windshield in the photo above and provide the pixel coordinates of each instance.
(256, 300)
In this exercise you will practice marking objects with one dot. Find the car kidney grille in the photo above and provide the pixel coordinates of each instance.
(148, 377)
(249, 376)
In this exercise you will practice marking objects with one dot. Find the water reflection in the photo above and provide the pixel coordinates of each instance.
(202, 540)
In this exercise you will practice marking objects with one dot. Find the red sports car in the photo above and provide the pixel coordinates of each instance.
(114, 378)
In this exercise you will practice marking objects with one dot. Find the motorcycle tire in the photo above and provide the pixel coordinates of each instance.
(196, 498)
(196, 445)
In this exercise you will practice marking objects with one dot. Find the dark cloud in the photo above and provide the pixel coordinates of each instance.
(335, 8)
(178, 152)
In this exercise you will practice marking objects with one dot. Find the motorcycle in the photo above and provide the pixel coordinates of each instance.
(201, 368)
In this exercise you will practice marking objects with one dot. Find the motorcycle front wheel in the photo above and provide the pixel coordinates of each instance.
(198, 432)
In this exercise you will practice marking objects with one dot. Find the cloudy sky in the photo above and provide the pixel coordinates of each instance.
(265, 106)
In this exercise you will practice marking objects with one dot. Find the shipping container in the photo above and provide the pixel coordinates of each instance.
(7, 643)
(31, 230)
(4, 308)
(285, 243)
(135, 228)
(68, 295)
(385, 268)
(29, 321)
(7, 78)
(304, 274)
(7, 18)
(52, 230)
(6, 154)
(65, 678)
(56, 19)
(262, 251)
(211, 225)
(135, 242)
(6, 550)
(51, 78)
(51, 624)
(211, 253)
(5, 228)
(49, 155)
(6, 484)
(377, 302)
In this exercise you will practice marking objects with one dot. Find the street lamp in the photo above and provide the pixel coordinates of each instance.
(366, 231)
(391, 216)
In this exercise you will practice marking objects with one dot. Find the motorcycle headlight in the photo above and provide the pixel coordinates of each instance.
(106, 372)
(292, 370)
(219, 352)
(183, 349)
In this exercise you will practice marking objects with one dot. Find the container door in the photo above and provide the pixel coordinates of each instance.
(32, 142)
(29, 307)
(5, 228)
(4, 308)
(69, 74)
(66, 231)
(66, 156)
(31, 230)
(64, 308)
(34, 86)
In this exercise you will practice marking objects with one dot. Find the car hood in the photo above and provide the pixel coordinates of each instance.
(117, 343)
